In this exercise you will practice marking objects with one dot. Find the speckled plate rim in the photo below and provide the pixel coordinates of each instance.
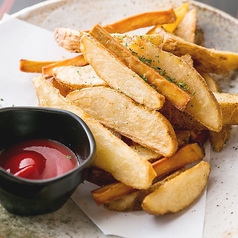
(54, 3)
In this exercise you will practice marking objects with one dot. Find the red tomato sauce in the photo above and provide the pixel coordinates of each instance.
(38, 159)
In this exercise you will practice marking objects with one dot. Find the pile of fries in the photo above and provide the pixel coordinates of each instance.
(150, 102)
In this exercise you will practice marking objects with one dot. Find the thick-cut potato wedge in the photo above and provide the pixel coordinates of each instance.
(180, 120)
(211, 82)
(142, 20)
(203, 106)
(186, 155)
(229, 106)
(73, 77)
(31, 66)
(172, 92)
(118, 76)
(207, 60)
(123, 163)
(187, 27)
(179, 192)
(75, 61)
(115, 110)
(218, 139)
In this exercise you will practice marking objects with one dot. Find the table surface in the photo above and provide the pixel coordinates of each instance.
(12, 6)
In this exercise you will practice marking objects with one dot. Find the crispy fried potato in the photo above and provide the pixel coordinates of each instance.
(187, 27)
(229, 106)
(207, 60)
(179, 192)
(203, 106)
(73, 77)
(145, 153)
(68, 38)
(218, 140)
(123, 163)
(186, 155)
(75, 61)
(177, 96)
(180, 13)
(118, 76)
(142, 20)
(132, 201)
(117, 111)
(31, 66)
(211, 82)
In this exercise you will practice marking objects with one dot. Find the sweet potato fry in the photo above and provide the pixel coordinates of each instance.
(75, 61)
(186, 155)
(70, 39)
(177, 96)
(180, 12)
(117, 75)
(142, 20)
(123, 163)
(31, 66)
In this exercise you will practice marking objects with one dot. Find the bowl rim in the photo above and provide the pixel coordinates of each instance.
(80, 167)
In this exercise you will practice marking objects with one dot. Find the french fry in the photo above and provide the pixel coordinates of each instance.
(177, 96)
(117, 75)
(203, 106)
(117, 111)
(74, 77)
(31, 66)
(178, 192)
(205, 59)
(123, 163)
(142, 20)
(75, 61)
(186, 155)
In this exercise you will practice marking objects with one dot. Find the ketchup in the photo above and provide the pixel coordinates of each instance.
(38, 159)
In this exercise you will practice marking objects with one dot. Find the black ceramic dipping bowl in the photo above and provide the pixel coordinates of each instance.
(33, 197)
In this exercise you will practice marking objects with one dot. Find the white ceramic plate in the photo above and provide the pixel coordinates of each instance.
(221, 32)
